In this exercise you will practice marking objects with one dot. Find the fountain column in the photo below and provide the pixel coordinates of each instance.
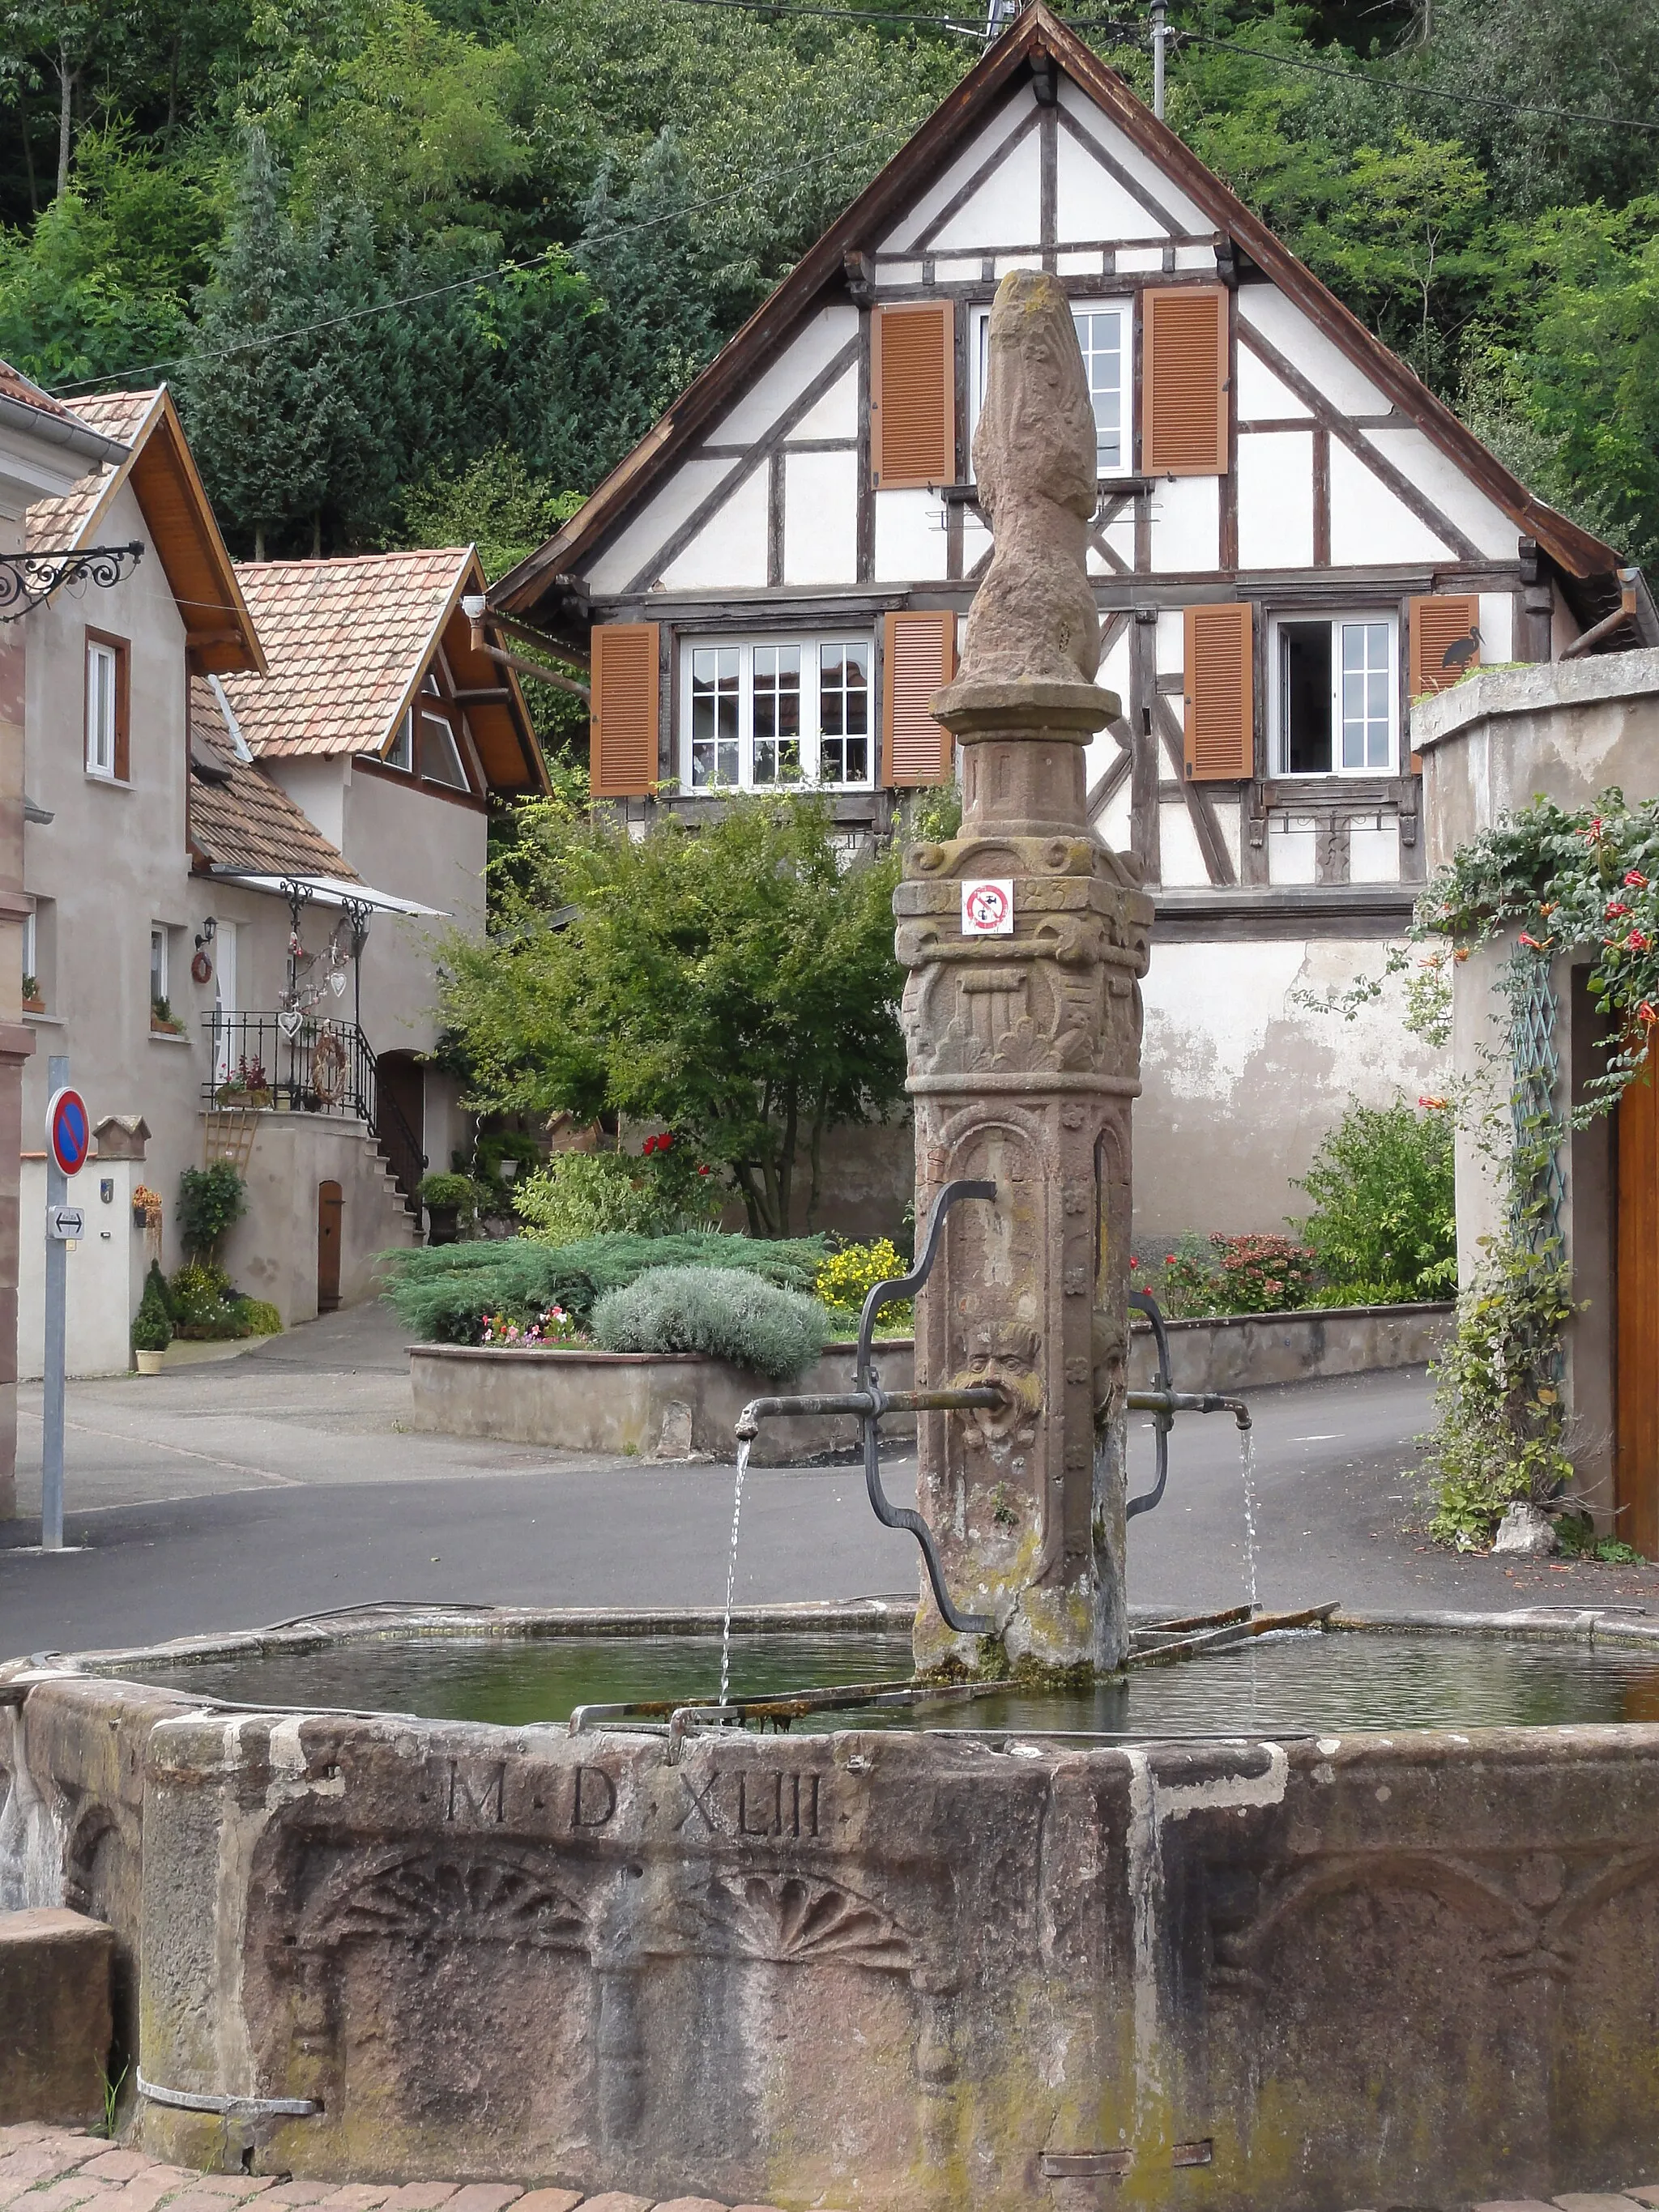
(1025, 1050)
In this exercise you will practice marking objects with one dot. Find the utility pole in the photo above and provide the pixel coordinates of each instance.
(1160, 34)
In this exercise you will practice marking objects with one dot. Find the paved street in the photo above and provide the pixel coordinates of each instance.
(230, 1495)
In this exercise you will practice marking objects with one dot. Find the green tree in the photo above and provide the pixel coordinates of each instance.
(736, 982)
(1383, 1221)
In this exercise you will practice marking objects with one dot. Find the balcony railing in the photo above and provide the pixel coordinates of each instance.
(312, 1065)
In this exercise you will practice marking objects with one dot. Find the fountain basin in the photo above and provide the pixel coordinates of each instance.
(1268, 1968)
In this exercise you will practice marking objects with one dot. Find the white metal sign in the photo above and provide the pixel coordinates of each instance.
(988, 908)
(65, 1223)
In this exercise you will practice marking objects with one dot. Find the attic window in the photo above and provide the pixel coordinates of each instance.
(402, 754)
(441, 757)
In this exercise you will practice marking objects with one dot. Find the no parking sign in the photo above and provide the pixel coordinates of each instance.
(68, 1130)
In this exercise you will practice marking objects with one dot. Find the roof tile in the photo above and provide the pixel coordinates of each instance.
(55, 525)
(239, 818)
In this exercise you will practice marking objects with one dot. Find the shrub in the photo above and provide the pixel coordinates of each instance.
(206, 1305)
(211, 1200)
(716, 1311)
(1383, 1214)
(1497, 1399)
(847, 1278)
(442, 1293)
(1225, 1274)
(439, 1191)
(658, 1193)
(260, 1316)
(152, 1326)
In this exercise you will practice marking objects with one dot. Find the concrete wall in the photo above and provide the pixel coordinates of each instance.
(272, 1252)
(105, 1273)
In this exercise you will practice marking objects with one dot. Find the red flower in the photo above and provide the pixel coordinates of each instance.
(1645, 1015)
(664, 1141)
(1617, 906)
(1169, 1259)
(1635, 880)
(1636, 942)
(1592, 834)
(704, 1171)
(1133, 1262)
(1433, 1105)
(1531, 942)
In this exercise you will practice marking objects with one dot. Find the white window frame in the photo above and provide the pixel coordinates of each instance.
(31, 945)
(812, 735)
(1388, 620)
(158, 934)
(400, 753)
(432, 720)
(1109, 302)
(102, 728)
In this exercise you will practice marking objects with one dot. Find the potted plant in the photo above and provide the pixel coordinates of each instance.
(152, 1325)
(163, 1022)
(33, 1003)
(447, 1199)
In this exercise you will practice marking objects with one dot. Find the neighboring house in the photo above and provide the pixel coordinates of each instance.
(1293, 538)
(227, 978)
(44, 451)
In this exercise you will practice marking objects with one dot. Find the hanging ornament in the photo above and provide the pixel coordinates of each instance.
(337, 982)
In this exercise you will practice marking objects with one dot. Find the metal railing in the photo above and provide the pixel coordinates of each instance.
(311, 1064)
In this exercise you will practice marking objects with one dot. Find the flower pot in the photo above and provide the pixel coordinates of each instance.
(36, 1005)
(151, 1363)
(442, 1224)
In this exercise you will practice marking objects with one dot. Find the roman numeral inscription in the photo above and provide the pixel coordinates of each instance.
(758, 1806)
(477, 1796)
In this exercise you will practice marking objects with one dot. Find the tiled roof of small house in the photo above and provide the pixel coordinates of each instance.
(345, 643)
(239, 818)
(14, 384)
(55, 525)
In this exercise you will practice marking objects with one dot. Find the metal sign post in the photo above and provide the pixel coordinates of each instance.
(68, 1139)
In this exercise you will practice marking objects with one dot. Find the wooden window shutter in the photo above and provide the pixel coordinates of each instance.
(1183, 380)
(623, 717)
(918, 659)
(912, 388)
(1220, 692)
(1445, 639)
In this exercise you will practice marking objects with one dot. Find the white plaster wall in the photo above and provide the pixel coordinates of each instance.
(1422, 462)
(1180, 855)
(1105, 132)
(271, 1253)
(1005, 211)
(1187, 523)
(812, 349)
(730, 547)
(1300, 339)
(1090, 204)
(1113, 823)
(1497, 620)
(656, 523)
(995, 132)
(1291, 857)
(834, 415)
(820, 518)
(1374, 853)
(1369, 524)
(318, 789)
(1275, 500)
(409, 842)
(1261, 397)
(909, 537)
(1240, 1082)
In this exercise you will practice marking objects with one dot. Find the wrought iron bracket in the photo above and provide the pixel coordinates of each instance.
(28, 580)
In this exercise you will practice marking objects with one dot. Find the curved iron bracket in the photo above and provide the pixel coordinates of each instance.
(1144, 1302)
(900, 1517)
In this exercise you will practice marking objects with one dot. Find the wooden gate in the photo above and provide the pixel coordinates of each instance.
(1636, 1444)
(330, 1204)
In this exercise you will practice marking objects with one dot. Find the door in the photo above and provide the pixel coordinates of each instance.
(400, 1117)
(1635, 1452)
(330, 1204)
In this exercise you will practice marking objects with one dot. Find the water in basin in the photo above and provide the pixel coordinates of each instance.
(1306, 1683)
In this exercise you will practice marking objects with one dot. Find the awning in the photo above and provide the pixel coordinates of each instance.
(330, 890)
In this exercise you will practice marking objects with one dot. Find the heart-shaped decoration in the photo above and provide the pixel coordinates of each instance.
(289, 1025)
(337, 982)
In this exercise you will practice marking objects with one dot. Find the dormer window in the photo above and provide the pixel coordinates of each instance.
(441, 757)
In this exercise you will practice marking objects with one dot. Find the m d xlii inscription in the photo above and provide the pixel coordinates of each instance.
(761, 1805)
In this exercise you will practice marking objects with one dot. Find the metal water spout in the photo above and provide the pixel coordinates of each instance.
(869, 1401)
(1166, 1402)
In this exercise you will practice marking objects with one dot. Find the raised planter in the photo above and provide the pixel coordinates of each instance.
(195, 1352)
(672, 1406)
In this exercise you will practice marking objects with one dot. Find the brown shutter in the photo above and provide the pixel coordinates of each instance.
(1444, 641)
(913, 385)
(918, 659)
(623, 722)
(1183, 380)
(124, 713)
(1220, 692)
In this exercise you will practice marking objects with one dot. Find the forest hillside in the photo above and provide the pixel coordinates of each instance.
(422, 269)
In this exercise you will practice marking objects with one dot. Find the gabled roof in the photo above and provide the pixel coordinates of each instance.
(1034, 33)
(348, 643)
(238, 820)
(159, 466)
(14, 384)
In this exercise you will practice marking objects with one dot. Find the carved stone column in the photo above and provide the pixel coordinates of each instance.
(1024, 1051)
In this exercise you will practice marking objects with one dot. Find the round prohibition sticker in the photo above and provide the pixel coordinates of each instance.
(988, 908)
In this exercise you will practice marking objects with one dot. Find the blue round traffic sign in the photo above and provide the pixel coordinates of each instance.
(68, 1129)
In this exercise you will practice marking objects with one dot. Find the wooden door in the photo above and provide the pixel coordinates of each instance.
(330, 1204)
(1635, 1452)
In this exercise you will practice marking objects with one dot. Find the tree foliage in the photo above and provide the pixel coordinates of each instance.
(737, 983)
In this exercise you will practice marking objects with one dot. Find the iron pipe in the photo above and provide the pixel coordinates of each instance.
(1171, 1402)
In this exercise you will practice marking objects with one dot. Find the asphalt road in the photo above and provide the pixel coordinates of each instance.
(235, 1495)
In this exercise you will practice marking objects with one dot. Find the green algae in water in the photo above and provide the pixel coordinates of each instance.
(1294, 1684)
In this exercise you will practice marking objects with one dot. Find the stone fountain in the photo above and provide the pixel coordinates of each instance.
(964, 1969)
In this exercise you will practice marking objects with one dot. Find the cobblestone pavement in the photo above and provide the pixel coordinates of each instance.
(58, 2170)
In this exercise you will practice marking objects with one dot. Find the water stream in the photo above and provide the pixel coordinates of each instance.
(1247, 1471)
(732, 1571)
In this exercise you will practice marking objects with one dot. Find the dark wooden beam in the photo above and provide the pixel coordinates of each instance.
(483, 694)
(1144, 841)
(976, 182)
(1131, 183)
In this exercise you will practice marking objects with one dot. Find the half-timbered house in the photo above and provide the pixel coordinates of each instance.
(1294, 539)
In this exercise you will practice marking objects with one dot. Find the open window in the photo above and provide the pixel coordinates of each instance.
(1337, 707)
(440, 756)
